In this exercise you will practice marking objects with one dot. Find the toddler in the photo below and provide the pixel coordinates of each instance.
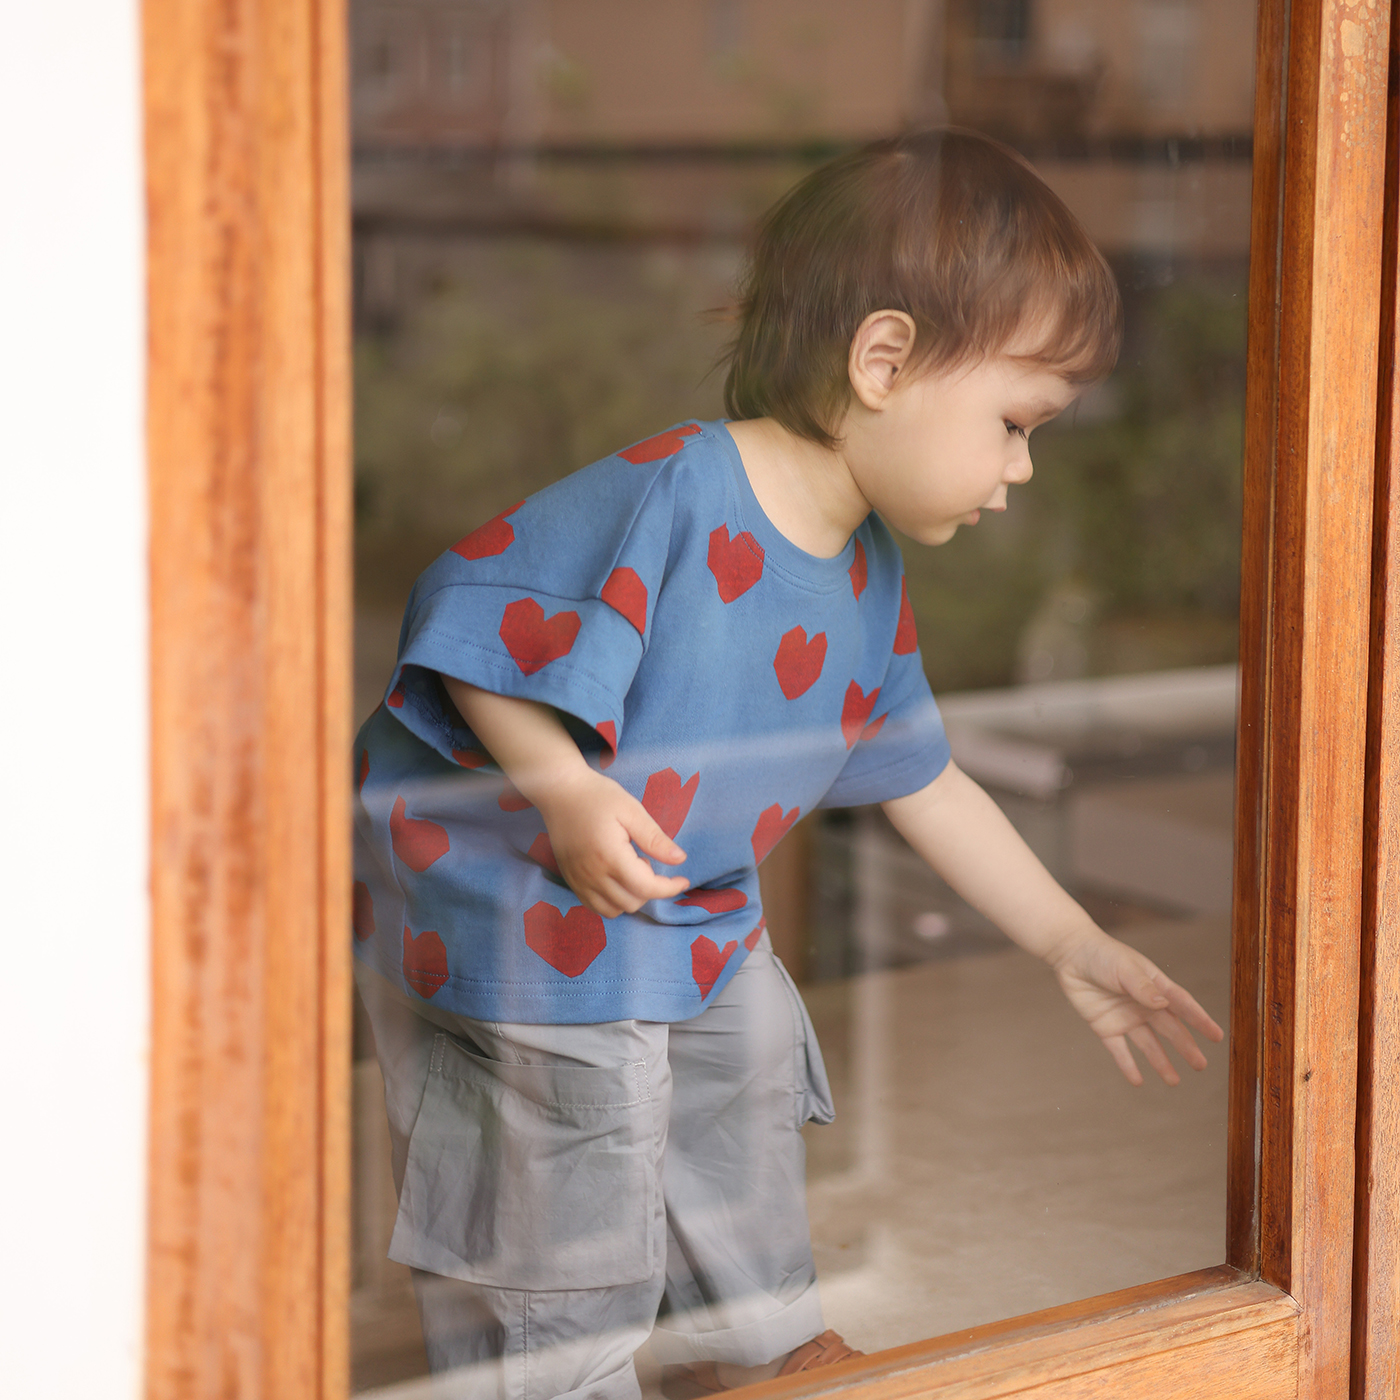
(611, 702)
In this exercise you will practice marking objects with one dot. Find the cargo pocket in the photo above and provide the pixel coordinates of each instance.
(535, 1177)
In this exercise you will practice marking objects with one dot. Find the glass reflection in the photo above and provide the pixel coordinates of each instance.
(548, 204)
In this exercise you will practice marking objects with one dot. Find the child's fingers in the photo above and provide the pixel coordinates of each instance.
(635, 880)
(1179, 1038)
(600, 903)
(1161, 993)
(1143, 982)
(600, 890)
(610, 896)
(611, 878)
(1192, 1012)
(1117, 1046)
(649, 838)
(649, 885)
(1152, 1052)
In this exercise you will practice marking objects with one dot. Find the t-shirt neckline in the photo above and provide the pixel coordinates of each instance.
(778, 550)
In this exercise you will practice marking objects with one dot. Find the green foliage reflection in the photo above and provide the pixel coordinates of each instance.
(530, 360)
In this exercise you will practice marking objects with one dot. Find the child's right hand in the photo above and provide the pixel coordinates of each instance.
(596, 828)
(592, 821)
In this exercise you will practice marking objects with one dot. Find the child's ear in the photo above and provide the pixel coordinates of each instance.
(880, 349)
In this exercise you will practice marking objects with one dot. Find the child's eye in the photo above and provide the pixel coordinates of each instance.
(1014, 428)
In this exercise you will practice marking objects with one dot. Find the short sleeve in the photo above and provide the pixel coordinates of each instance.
(550, 601)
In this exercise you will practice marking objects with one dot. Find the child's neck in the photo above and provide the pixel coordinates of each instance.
(806, 490)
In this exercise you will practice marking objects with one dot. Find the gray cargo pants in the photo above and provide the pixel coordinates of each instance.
(561, 1186)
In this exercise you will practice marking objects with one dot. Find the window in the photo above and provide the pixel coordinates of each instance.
(249, 1148)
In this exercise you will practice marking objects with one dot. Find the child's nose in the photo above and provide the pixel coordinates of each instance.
(1019, 469)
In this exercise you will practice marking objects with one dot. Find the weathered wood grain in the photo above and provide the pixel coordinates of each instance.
(1308, 472)
(247, 404)
(1317, 640)
(330, 77)
(1213, 1333)
(1375, 1362)
(1261, 414)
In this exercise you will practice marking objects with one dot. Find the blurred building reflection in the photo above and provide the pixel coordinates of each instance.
(678, 120)
(497, 73)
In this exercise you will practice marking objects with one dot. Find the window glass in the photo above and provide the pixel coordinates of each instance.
(551, 206)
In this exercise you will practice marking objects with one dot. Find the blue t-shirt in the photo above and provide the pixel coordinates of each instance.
(726, 678)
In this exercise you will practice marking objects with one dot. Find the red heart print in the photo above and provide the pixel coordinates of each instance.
(770, 828)
(668, 800)
(906, 637)
(567, 942)
(751, 942)
(470, 758)
(799, 662)
(417, 842)
(512, 800)
(665, 444)
(495, 537)
(396, 698)
(856, 711)
(625, 593)
(737, 564)
(716, 901)
(362, 911)
(542, 853)
(534, 640)
(424, 962)
(364, 770)
(608, 730)
(871, 730)
(857, 571)
(707, 962)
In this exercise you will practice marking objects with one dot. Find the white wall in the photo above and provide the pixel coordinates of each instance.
(73, 712)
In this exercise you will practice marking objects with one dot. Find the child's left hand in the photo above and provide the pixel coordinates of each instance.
(968, 840)
(1125, 998)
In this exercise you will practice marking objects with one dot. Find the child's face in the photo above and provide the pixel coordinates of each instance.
(945, 445)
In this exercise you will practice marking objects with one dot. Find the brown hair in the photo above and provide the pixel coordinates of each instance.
(949, 226)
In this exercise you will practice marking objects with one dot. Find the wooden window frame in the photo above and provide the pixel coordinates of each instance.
(248, 421)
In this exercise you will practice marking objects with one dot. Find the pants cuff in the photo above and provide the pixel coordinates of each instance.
(752, 1344)
(484, 1381)
(621, 1385)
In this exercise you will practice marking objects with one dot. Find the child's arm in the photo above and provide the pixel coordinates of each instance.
(967, 839)
(592, 821)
